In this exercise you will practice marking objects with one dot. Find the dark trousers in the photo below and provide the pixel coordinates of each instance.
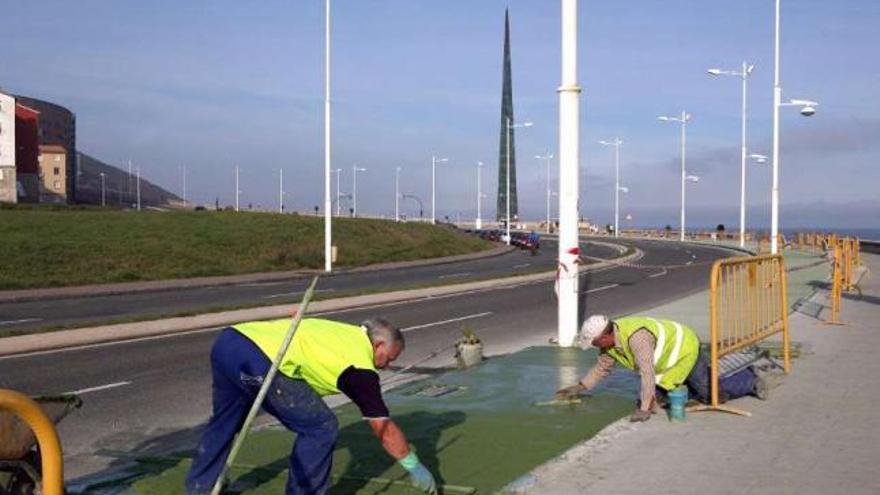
(238, 367)
(699, 382)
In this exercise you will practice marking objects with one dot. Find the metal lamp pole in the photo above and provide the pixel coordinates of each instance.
(569, 155)
(103, 194)
(548, 157)
(478, 222)
(616, 143)
(338, 211)
(237, 189)
(280, 190)
(328, 214)
(434, 162)
(354, 188)
(397, 195)
(744, 75)
(510, 126)
(138, 188)
(683, 119)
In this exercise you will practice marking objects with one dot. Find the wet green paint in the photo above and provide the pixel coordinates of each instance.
(484, 433)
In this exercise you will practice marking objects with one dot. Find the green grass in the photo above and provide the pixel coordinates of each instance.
(51, 248)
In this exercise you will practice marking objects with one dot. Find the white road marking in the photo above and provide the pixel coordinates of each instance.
(98, 388)
(689, 262)
(262, 284)
(443, 322)
(604, 287)
(522, 265)
(450, 275)
(658, 274)
(294, 293)
(23, 320)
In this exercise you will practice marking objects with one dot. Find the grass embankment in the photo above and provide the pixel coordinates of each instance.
(51, 248)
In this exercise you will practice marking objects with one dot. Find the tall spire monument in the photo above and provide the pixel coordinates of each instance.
(504, 146)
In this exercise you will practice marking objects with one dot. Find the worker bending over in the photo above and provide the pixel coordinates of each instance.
(666, 354)
(325, 357)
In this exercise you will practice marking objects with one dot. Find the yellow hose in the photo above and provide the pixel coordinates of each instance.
(50, 447)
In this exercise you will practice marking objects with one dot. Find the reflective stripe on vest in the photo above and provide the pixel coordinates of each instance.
(320, 351)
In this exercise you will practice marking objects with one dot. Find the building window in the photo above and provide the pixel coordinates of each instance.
(57, 185)
(57, 171)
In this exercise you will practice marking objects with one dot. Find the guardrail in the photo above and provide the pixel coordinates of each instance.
(747, 304)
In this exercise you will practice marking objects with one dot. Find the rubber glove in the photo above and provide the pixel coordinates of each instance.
(419, 474)
(639, 416)
(569, 392)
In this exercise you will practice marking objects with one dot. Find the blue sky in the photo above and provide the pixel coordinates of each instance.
(213, 84)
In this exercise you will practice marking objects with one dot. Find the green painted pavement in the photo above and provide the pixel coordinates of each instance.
(477, 438)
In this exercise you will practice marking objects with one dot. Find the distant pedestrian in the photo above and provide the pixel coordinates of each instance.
(325, 357)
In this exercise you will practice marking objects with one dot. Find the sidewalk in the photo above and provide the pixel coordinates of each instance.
(815, 435)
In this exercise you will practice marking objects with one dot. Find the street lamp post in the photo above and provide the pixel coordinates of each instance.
(103, 193)
(280, 190)
(434, 162)
(616, 143)
(808, 108)
(683, 119)
(328, 214)
(548, 157)
(138, 188)
(478, 222)
(237, 189)
(569, 156)
(338, 210)
(744, 75)
(354, 188)
(510, 126)
(397, 195)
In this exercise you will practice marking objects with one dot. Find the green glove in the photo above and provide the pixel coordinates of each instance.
(421, 477)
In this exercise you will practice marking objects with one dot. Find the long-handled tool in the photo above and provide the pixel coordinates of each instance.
(393, 376)
(264, 388)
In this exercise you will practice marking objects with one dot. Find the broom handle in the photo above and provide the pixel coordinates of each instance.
(264, 388)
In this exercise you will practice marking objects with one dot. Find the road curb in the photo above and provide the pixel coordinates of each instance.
(61, 339)
(7, 296)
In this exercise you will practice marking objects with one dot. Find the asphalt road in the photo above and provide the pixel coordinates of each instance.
(151, 395)
(30, 315)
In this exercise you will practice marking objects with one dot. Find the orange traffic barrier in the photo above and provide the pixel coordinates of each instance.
(836, 287)
(747, 304)
(30, 413)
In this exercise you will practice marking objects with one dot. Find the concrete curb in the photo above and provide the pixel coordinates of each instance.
(189, 283)
(47, 341)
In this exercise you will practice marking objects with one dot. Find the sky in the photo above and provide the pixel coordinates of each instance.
(213, 84)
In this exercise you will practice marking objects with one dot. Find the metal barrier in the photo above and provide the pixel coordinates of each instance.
(747, 303)
(30, 413)
(836, 286)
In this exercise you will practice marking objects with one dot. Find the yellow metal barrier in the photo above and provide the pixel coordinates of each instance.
(28, 411)
(748, 303)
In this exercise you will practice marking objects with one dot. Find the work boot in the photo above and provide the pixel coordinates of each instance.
(761, 390)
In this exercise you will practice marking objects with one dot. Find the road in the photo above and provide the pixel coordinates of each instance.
(30, 315)
(151, 395)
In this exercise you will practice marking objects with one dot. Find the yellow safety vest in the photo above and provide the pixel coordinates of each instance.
(675, 351)
(320, 351)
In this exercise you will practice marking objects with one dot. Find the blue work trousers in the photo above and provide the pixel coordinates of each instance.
(699, 382)
(238, 367)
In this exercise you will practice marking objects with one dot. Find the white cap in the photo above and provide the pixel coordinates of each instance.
(592, 328)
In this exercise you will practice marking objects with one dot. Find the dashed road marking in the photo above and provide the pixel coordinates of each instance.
(295, 293)
(23, 320)
(523, 265)
(443, 322)
(451, 275)
(658, 274)
(604, 287)
(98, 388)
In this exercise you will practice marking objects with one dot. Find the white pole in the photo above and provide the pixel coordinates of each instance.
(569, 102)
(354, 191)
(777, 99)
(478, 223)
(549, 158)
(139, 188)
(683, 149)
(508, 181)
(103, 193)
(328, 218)
(338, 196)
(397, 195)
(433, 190)
(184, 186)
(616, 187)
(237, 189)
(280, 190)
(742, 192)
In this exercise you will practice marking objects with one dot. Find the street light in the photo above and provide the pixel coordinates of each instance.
(280, 190)
(434, 162)
(478, 223)
(338, 211)
(683, 119)
(549, 157)
(354, 188)
(616, 143)
(744, 75)
(237, 189)
(183, 179)
(808, 108)
(328, 214)
(510, 126)
(762, 159)
(397, 194)
(103, 195)
(138, 188)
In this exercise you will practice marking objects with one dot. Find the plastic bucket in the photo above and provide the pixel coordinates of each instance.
(678, 398)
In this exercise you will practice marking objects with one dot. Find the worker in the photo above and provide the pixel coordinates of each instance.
(325, 357)
(666, 354)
